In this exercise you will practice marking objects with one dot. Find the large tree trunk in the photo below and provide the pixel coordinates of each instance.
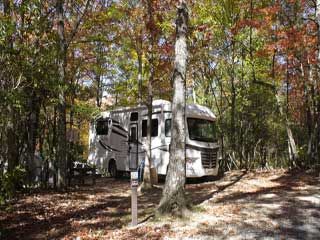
(173, 197)
(61, 62)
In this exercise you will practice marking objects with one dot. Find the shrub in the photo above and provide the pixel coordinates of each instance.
(10, 182)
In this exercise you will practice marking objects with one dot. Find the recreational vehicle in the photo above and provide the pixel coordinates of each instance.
(110, 145)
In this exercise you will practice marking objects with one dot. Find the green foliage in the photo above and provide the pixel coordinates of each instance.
(84, 110)
(10, 182)
(241, 53)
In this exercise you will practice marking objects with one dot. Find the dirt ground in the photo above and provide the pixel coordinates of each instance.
(241, 205)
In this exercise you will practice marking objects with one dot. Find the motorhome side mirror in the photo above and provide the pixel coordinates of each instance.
(109, 122)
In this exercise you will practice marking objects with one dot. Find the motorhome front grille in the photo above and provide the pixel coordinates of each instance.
(209, 158)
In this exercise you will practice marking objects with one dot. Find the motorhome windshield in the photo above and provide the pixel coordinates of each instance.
(201, 130)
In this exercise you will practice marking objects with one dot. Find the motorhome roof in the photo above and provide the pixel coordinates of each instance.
(198, 110)
(195, 110)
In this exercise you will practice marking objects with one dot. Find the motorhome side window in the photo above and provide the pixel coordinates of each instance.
(167, 127)
(154, 128)
(134, 116)
(102, 127)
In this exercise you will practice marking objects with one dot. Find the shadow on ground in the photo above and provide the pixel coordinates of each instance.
(105, 208)
(290, 209)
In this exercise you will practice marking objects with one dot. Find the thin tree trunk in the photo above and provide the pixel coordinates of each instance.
(222, 130)
(54, 148)
(147, 184)
(152, 169)
(99, 92)
(12, 149)
(150, 173)
(233, 103)
(72, 137)
(61, 62)
(292, 149)
(33, 125)
(308, 104)
(317, 87)
(293, 153)
(140, 53)
(12, 155)
(98, 75)
(173, 197)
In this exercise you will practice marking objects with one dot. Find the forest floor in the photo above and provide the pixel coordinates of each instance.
(241, 205)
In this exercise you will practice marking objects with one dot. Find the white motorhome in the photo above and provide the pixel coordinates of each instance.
(109, 147)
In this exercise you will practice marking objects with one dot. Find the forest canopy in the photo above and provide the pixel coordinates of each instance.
(254, 63)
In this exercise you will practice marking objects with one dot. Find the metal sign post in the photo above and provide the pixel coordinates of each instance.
(133, 166)
(134, 198)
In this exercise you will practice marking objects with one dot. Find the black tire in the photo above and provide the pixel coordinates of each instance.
(113, 169)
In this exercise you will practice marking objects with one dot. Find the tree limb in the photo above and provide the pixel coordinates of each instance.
(77, 24)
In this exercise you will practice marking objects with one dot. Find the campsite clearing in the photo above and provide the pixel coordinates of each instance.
(241, 205)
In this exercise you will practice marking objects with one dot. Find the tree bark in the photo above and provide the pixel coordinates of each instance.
(99, 91)
(33, 125)
(292, 148)
(12, 153)
(139, 54)
(233, 101)
(173, 197)
(317, 88)
(61, 63)
(147, 183)
(12, 148)
(150, 173)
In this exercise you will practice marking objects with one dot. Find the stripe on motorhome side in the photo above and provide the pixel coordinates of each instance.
(120, 134)
(121, 128)
(115, 121)
(106, 147)
(101, 119)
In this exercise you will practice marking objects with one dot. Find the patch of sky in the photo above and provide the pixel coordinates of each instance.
(285, 87)
(281, 59)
